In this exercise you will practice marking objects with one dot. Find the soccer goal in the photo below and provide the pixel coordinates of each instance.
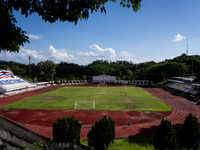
(130, 105)
(102, 85)
(123, 92)
(84, 105)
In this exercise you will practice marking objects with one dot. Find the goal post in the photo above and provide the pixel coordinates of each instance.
(123, 92)
(102, 85)
(130, 106)
(84, 105)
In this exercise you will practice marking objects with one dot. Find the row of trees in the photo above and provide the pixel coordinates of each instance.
(68, 129)
(188, 136)
(45, 71)
(102, 133)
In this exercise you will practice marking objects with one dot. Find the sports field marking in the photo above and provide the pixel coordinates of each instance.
(84, 105)
(106, 98)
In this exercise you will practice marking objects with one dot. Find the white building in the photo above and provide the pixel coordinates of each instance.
(104, 78)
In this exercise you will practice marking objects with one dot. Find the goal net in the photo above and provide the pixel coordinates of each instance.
(123, 92)
(84, 105)
(102, 85)
(130, 106)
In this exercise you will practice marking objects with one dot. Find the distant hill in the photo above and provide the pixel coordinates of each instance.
(182, 66)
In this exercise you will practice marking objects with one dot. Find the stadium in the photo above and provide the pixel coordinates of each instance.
(38, 118)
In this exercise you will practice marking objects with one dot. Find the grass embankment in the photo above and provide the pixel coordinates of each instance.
(106, 98)
(132, 143)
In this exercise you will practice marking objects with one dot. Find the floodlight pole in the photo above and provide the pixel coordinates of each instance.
(29, 66)
(187, 47)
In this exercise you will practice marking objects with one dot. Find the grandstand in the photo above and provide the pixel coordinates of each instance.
(10, 83)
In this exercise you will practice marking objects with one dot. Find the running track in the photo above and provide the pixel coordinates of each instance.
(142, 123)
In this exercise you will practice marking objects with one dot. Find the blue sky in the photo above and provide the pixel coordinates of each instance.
(158, 31)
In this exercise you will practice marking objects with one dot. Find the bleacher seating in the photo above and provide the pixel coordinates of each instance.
(9, 82)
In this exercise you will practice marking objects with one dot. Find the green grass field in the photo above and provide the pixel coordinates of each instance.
(132, 143)
(106, 98)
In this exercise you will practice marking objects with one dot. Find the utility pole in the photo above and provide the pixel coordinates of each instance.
(187, 47)
(29, 66)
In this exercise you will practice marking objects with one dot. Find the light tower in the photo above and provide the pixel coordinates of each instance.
(187, 47)
(29, 66)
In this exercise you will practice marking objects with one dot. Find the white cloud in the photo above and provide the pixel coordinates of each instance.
(125, 54)
(159, 58)
(58, 55)
(178, 38)
(78, 57)
(87, 54)
(34, 37)
(106, 54)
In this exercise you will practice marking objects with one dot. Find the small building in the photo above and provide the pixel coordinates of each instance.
(104, 79)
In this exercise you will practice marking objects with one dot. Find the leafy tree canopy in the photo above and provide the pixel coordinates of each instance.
(101, 134)
(165, 136)
(46, 70)
(189, 135)
(67, 129)
(12, 37)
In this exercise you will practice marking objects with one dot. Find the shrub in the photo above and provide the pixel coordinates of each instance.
(165, 136)
(101, 134)
(67, 129)
(163, 83)
(189, 134)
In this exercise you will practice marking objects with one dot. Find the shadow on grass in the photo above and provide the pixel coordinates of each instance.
(145, 137)
(143, 141)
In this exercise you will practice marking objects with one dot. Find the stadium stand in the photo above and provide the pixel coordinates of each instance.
(183, 84)
(9, 82)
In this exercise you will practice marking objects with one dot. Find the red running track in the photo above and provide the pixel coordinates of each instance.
(142, 122)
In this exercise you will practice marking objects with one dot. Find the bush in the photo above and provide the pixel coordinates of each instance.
(165, 136)
(102, 134)
(189, 134)
(163, 83)
(67, 129)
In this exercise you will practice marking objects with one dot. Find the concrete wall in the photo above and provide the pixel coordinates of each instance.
(15, 136)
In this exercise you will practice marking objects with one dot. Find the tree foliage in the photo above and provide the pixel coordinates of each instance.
(165, 136)
(162, 71)
(46, 70)
(11, 37)
(101, 134)
(67, 129)
(156, 72)
(189, 134)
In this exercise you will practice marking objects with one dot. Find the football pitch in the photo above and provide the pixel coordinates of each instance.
(93, 98)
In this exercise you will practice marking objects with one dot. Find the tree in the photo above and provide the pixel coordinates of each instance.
(101, 134)
(164, 70)
(189, 134)
(12, 37)
(46, 70)
(67, 129)
(165, 136)
(129, 74)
